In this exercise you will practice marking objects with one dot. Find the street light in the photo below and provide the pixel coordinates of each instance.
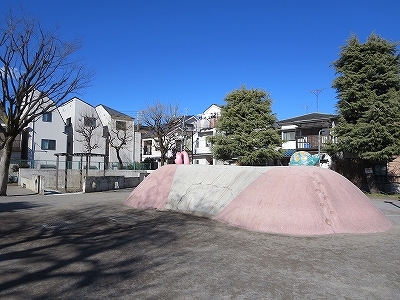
(323, 132)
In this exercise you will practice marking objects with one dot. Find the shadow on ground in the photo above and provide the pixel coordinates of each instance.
(14, 206)
(82, 247)
(73, 251)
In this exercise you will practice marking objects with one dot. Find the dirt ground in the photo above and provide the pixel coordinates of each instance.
(91, 246)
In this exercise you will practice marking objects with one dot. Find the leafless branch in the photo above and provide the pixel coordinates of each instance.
(161, 121)
(86, 126)
(37, 72)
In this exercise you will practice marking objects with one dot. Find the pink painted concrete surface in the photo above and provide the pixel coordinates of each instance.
(295, 200)
(304, 201)
(153, 191)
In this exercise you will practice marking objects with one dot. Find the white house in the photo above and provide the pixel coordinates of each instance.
(205, 127)
(121, 130)
(42, 139)
(85, 132)
(181, 138)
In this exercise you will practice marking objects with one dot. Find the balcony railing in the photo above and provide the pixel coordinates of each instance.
(202, 150)
(310, 142)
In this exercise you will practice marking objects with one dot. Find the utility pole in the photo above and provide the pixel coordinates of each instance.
(184, 130)
(316, 93)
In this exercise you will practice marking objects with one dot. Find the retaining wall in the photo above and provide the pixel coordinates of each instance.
(77, 181)
(33, 183)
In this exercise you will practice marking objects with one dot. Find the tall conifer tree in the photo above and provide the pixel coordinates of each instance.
(368, 92)
(246, 129)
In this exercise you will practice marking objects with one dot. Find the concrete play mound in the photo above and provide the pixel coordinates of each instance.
(292, 200)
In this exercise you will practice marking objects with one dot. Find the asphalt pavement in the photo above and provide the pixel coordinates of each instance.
(92, 246)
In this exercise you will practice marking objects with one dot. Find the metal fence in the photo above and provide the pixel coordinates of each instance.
(76, 165)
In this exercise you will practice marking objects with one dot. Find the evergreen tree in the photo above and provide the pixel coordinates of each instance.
(368, 92)
(246, 129)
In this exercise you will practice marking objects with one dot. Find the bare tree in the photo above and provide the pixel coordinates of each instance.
(36, 74)
(120, 135)
(162, 122)
(88, 126)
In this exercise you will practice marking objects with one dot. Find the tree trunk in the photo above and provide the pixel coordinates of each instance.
(5, 159)
(162, 158)
(120, 164)
(87, 164)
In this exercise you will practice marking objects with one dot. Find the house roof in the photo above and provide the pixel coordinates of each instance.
(73, 100)
(308, 119)
(212, 105)
(116, 114)
(189, 119)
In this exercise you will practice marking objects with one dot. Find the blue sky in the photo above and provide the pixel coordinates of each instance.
(192, 53)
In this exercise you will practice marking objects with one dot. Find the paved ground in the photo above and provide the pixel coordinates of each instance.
(91, 246)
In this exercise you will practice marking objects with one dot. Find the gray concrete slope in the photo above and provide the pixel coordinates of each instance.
(206, 190)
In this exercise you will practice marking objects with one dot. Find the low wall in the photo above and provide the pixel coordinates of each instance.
(76, 181)
(33, 183)
(106, 183)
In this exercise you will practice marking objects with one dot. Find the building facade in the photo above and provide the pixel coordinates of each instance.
(84, 134)
(42, 139)
(205, 127)
(180, 138)
(307, 133)
(122, 142)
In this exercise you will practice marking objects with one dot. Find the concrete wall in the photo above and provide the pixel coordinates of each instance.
(76, 180)
(106, 183)
(33, 183)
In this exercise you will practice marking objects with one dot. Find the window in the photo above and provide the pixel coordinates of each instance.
(106, 133)
(47, 117)
(208, 143)
(289, 136)
(147, 148)
(179, 145)
(89, 122)
(120, 125)
(48, 144)
(68, 122)
(380, 173)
